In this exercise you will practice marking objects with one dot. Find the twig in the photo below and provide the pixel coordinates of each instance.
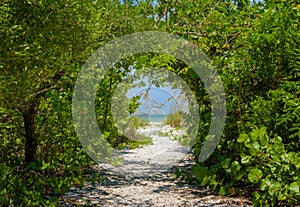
(210, 12)
(165, 14)
(43, 91)
(233, 37)
(191, 33)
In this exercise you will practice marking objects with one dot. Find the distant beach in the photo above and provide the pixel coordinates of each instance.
(153, 117)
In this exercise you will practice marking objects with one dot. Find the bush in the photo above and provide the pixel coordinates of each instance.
(273, 169)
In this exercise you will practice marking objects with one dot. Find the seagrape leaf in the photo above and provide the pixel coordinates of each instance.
(295, 187)
(255, 175)
(242, 138)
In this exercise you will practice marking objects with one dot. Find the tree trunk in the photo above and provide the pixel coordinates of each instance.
(107, 103)
(31, 139)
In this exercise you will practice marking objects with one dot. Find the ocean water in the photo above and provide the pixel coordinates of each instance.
(153, 117)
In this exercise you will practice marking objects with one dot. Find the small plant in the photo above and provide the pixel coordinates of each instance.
(138, 122)
(164, 134)
(175, 119)
(134, 139)
(142, 141)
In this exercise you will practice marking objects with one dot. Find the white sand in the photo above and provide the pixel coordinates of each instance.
(159, 156)
(145, 181)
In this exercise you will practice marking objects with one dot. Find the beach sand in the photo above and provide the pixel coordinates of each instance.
(161, 155)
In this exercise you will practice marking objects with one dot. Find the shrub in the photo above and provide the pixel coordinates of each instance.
(273, 169)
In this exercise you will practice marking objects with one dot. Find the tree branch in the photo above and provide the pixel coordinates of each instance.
(191, 33)
(42, 92)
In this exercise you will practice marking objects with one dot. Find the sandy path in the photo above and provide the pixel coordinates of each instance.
(146, 179)
(161, 155)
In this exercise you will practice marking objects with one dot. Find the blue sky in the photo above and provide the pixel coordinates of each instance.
(159, 100)
(156, 101)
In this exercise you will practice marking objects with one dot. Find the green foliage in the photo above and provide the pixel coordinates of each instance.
(272, 172)
(135, 139)
(279, 111)
(274, 169)
(254, 48)
(24, 190)
(134, 103)
(43, 46)
(141, 141)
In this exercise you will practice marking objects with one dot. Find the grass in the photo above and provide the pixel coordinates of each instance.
(138, 122)
(143, 141)
(175, 120)
(133, 138)
(164, 134)
(133, 144)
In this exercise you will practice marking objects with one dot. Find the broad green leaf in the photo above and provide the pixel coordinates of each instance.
(294, 186)
(224, 191)
(45, 166)
(255, 175)
(254, 135)
(265, 184)
(245, 158)
(243, 138)
(226, 163)
(200, 172)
